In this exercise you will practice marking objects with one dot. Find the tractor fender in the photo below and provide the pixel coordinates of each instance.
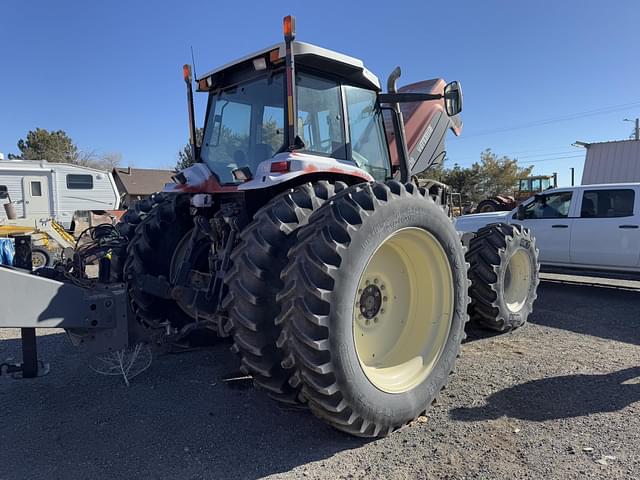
(287, 166)
(298, 164)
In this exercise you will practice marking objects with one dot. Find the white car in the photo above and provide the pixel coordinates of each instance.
(590, 227)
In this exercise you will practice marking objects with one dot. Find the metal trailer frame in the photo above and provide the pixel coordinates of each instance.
(95, 316)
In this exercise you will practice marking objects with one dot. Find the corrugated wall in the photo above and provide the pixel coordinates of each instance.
(613, 162)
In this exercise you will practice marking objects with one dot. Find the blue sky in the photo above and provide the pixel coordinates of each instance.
(109, 73)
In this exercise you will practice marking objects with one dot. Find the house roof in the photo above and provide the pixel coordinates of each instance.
(142, 181)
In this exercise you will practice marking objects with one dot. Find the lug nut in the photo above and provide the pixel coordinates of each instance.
(375, 280)
(366, 322)
(382, 310)
(384, 299)
(375, 319)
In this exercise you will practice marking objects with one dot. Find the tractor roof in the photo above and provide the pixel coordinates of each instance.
(349, 68)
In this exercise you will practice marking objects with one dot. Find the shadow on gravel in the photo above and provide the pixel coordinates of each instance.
(177, 420)
(559, 397)
(603, 312)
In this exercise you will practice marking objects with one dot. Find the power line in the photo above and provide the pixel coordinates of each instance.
(519, 157)
(550, 120)
(527, 162)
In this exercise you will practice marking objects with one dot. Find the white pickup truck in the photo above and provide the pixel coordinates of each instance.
(589, 227)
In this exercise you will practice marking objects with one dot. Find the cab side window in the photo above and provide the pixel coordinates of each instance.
(553, 205)
(607, 203)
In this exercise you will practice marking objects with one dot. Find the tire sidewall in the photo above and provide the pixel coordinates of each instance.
(399, 212)
(519, 242)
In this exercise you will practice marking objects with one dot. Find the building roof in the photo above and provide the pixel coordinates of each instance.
(142, 181)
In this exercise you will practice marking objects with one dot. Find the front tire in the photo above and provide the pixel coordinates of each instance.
(504, 275)
(374, 307)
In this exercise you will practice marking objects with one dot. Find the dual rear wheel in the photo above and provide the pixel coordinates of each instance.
(365, 307)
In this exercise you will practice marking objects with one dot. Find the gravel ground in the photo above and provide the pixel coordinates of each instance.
(559, 398)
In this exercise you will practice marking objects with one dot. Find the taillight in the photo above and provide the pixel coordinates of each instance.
(280, 167)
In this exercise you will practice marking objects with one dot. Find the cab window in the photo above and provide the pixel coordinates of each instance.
(366, 132)
(320, 115)
(553, 205)
(607, 203)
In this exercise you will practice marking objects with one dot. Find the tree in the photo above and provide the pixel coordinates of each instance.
(185, 156)
(491, 176)
(499, 176)
(58, 147)
(41, 144)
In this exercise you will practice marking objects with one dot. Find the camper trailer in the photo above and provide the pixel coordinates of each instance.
(37, 189)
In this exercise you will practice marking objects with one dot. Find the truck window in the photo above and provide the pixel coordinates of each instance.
(607, 203)
(554, 205)
(79, 182)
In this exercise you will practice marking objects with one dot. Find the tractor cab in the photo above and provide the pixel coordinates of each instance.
(337, 114)
(296, 109)
(531, 185)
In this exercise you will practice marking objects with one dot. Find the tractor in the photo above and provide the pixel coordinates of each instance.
(527, 187)
(302, 235)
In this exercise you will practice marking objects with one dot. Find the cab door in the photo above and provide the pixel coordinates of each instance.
(549, 221)
(606, 233)
(36, 196)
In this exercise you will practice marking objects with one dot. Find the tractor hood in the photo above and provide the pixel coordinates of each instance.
(473, 222)
(426, 125)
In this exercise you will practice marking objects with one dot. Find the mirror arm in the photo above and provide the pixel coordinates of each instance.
(408, 97)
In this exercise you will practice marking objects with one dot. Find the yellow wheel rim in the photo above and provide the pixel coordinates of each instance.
(403, 310)
(517, 279)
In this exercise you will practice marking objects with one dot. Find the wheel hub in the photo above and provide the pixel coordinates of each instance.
(370, 301)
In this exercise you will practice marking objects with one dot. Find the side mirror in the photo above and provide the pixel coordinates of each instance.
(520, 212)
(453, 98)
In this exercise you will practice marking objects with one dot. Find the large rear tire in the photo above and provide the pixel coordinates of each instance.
(504, 273)
(254, 281)
(126, 227)
(374, 307)
(488, 205)
(150, 252)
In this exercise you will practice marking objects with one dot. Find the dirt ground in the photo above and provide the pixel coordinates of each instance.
(559, 398)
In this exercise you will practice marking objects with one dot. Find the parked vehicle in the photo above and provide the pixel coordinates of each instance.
(526, 187)
(38, 189)
(301, 233)
(589, 227)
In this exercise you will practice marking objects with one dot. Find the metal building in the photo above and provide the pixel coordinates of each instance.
(611, 162)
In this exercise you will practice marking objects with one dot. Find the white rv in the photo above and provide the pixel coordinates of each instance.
(40, 189)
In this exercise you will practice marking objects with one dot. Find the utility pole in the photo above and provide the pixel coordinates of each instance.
(636, 134)
(572, 176)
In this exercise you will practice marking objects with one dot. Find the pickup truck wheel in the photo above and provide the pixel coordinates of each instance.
(504, 273)
(254, 282)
